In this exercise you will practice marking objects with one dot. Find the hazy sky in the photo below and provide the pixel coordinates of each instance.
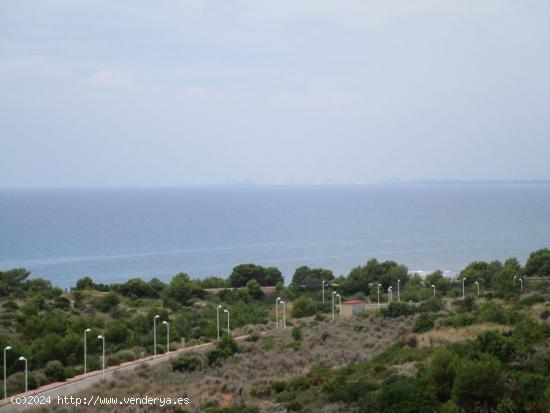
(195, 92)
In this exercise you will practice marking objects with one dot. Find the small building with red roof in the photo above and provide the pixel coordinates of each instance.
(352, 307)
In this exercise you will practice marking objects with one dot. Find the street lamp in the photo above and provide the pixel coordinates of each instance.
(7, 348)
(167, 324)
(521, 285)
(85, 350)
(323, 282)
(477, 283)
(284, 313)
(464, 279)
(333, 295)
(277, 311)
(227, 311)
(218, 319)
(102, 358)
(389, 294)
(26, 373)
(378, 291)
(398, 295)
(339, 304)
(433, 286)
(155, 318)
(514, 280)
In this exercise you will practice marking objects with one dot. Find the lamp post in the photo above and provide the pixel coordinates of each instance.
(155, 318)
(102, 358)
(378, 291)
(218, 319)
(464, 279)
(85, 350)
(26, 373)
(339, 304)
(477, 283)
(284, 313)
(167, 324)
(333, 295)
(227, 311)
(398, 294)
(433, 286)
(514, 280)
(389, 294)
(277, 311)
(7, 348)
(323, 282)
(521, 286)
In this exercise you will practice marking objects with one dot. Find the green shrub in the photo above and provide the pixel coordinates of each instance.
(279, 386)
(55, 371)
(532, 299)
(408, 396)
(497, 313)
(319, 317)
(397, 310)
(459, 320)
(545, 314)
(226, 347)
(253, 337)
(478, 382)
(468, 304)
(442, 371)
(188, 362)
(295, 345)
(431, 305)
(303, 307)
(267, 343)
(108, 302)
(502, 347)
(297, 333)
(425, 322)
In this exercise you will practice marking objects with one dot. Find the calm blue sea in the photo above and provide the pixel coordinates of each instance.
(114, 234)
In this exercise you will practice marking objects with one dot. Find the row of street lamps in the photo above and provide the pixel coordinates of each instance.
(225, 310)
(277, 302)
(6, 349)
(100, 337)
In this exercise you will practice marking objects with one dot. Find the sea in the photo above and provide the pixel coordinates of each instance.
(114, 234)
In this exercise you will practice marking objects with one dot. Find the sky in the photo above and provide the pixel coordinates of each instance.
(143, 93)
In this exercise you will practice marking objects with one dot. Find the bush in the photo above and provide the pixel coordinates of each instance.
(408, 396)
(532, 299)
(397, 310)
(459, 320)
(297, 333)
(55, 371)
(425, 322)
(442, 372)
(502, 347)
(279, 386)
(108, 302)
(478, 383)
(545, 314)
(226, 347)
(496, 313)
(467, 305)
(303, 307)
(188, 362)
(62, 303)
(431, 305)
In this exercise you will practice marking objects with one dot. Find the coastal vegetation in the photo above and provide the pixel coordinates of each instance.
(46, 324)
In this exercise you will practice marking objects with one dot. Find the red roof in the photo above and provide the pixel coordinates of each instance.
(354, 302)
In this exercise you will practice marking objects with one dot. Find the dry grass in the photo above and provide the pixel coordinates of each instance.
(453, 334)
(247, 376)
